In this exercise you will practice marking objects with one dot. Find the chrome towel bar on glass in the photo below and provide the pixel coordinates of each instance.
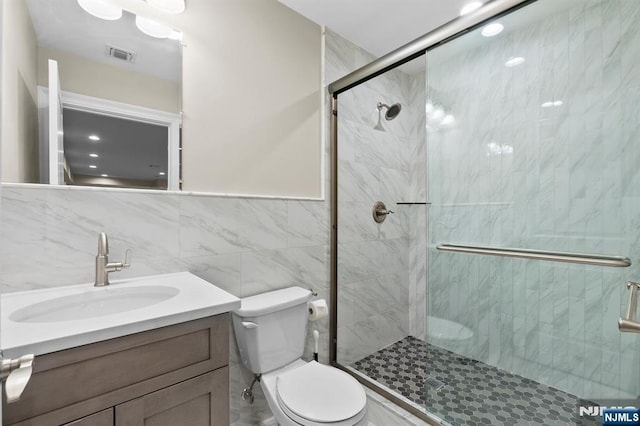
(568, 257)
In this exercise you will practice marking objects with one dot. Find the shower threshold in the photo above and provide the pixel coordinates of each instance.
(463, 391)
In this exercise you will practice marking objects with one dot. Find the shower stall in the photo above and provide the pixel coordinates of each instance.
(496, 285)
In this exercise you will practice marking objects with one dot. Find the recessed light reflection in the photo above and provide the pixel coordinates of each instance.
(93, 155)
(448, 120)
(492, 29)
(550, 104)
(94, 137)
(104, 175)
(437, 115)
(93, 167)
(428, 108)
(514, 62)
(162, 173)
(494, 149)
(470, 7)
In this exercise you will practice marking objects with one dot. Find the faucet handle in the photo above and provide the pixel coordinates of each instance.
(127, 259)
(119, 266)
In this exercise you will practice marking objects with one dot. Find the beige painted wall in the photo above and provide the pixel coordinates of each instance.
(19, 96)
(251, 97)
(80, 75)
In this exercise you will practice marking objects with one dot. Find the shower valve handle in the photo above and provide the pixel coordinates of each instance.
(380, 212)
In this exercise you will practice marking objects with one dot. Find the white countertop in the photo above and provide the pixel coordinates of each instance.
(196, 298)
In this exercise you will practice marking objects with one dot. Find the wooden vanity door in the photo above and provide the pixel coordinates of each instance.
(103, 418)
(201, 401)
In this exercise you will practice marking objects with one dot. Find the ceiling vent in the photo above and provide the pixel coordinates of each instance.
(118, 53)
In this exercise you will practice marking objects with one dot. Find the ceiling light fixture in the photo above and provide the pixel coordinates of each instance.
(492, 29)
(104, 175)
(103, 9)
(470, 7)
(175, 35)
(162, 173)
(168, 6)
(91, 166)
(93, 155)
(514, 62)
(152, 28)
(94, 137)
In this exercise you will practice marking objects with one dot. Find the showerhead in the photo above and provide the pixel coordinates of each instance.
(392, 112)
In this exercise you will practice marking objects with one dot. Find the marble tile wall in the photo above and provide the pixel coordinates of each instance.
(48, 237)
(379, 265)
(515, 171)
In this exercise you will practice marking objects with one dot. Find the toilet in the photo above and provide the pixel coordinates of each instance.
(270, 330)
(449, 335)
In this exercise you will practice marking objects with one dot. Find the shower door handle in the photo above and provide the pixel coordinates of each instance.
(630, 323)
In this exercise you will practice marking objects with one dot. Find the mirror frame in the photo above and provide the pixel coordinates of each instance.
(115, 109)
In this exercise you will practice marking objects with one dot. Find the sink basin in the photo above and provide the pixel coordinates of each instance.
(96, 302)
(57, 318)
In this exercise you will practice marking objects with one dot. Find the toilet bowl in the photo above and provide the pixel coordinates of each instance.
(270, 330)
(449, 335)
(314, 394)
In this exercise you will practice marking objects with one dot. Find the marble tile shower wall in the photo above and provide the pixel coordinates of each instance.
(378, 264)
(565, 177)
(246, 246)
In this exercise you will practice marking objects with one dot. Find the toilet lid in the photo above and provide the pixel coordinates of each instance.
(320, 393)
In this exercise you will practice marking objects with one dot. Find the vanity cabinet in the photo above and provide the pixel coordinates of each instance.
(193, 402)
(103, 418)
(175, 375)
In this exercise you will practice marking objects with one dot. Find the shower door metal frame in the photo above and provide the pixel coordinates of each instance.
(412, 50)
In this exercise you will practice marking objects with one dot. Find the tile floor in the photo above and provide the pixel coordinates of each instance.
(463, 391)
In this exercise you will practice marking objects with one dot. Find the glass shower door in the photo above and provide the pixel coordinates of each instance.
(538, 152)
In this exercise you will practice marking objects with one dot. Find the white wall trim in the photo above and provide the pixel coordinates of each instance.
(323, 114)
(39, 186)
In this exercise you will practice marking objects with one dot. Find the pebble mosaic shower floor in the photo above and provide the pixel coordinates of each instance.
(463, 391)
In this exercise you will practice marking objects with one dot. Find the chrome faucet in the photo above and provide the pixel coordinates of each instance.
(103, 267)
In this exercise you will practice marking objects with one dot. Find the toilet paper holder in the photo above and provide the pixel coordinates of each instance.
(318, 309)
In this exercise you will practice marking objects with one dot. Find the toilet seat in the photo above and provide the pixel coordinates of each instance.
(316, 394)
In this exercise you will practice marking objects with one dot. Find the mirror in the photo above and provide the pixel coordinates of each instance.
(118, 98)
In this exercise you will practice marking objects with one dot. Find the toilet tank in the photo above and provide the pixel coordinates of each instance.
(271, 328)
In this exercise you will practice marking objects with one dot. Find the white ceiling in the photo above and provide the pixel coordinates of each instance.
(380, 26)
